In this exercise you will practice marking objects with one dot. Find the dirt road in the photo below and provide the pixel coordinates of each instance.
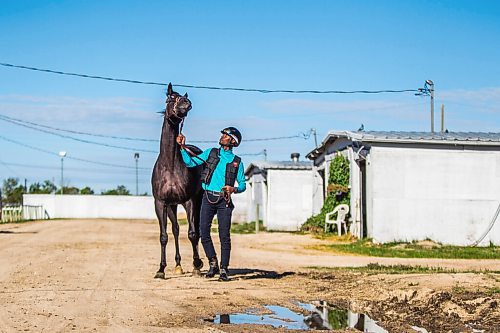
(97, 275)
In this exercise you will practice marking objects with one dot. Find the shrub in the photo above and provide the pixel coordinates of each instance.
(337, 193)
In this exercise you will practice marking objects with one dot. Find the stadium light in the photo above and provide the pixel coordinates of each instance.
(136, 157)
(63, 155)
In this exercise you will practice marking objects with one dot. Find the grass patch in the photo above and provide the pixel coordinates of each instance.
(413, 250)
(493, 290)
(375, 268)
(240, 228)
(19, 221)
(246, 228)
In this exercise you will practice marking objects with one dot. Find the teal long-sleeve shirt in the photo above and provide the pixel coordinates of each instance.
(219, 176)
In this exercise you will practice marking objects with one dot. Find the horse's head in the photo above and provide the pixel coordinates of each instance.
(177, 106)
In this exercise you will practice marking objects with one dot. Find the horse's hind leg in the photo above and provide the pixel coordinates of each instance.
(193, 207)
(161, 213)
(172, 215)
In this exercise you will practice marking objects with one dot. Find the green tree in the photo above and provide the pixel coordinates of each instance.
(71, 190)
(46, 188)
(12, 191)
(86, 190)
(119, 190)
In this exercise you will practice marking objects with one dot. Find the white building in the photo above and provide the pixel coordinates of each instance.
(281, 192)
(409, 186)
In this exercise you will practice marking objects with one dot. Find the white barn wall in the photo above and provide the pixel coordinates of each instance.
(447, 195)
(256, 196)
(112, 206)
(318, 191)
(95, 206)
(290, 192)
(240, 201)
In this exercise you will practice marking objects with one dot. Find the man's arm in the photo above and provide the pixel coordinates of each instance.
(240, 178)
(189, 160)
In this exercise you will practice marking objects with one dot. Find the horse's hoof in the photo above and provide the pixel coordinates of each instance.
(198, 264)
(196, 272)
(160, 275)
(178, 270)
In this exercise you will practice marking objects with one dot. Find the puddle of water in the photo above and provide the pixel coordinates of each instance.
(280, 317)
(474, 330)
(321, 316)
(419, 329)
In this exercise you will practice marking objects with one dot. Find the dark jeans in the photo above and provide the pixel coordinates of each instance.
(211, 205)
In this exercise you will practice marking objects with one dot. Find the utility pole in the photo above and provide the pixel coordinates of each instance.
(431, 91)
(313, 131)
(265, 154)
(428, 90)
(442, 118)
(136, 157)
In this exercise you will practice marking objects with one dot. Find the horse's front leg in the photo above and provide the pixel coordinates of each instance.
(172, 215)
(193, 207)
(161, 213)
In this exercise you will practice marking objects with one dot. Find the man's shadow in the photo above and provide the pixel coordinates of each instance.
(17, 232)
(253, 273)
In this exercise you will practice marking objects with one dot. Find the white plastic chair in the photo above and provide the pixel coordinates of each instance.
(341, 210)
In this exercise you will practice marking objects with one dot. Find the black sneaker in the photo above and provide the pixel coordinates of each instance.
(214, 268)
(224, 274)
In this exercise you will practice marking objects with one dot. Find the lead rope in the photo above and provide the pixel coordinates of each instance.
(190, 152)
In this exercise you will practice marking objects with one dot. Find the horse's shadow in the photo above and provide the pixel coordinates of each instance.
(254, 273)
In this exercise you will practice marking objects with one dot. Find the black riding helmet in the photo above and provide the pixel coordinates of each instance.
(234, 134)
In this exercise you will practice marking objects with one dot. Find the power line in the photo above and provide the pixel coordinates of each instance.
(20, 121)
(68, 157)
(76, 139)
(47, 167)
(265, 91)
(77, 132)
(263, 152)
(89, 161)
(6, 165)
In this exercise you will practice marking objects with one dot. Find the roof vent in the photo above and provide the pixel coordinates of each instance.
(295, 157)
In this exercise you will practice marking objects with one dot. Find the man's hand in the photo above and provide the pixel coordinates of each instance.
(229, 189)
(181, 140)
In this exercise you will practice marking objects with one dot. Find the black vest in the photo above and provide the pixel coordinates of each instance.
(213, 160)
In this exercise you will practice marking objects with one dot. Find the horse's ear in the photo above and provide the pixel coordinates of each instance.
(186, 95)
(169, 89)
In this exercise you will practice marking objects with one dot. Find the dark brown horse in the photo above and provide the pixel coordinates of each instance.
(174, 184)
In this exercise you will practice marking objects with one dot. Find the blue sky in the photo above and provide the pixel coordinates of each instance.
(296, 45)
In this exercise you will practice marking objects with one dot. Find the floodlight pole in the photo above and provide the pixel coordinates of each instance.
(62, 154)
(62, 175)
(136, 157)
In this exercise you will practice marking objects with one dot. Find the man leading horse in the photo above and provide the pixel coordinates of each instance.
(223, 169)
